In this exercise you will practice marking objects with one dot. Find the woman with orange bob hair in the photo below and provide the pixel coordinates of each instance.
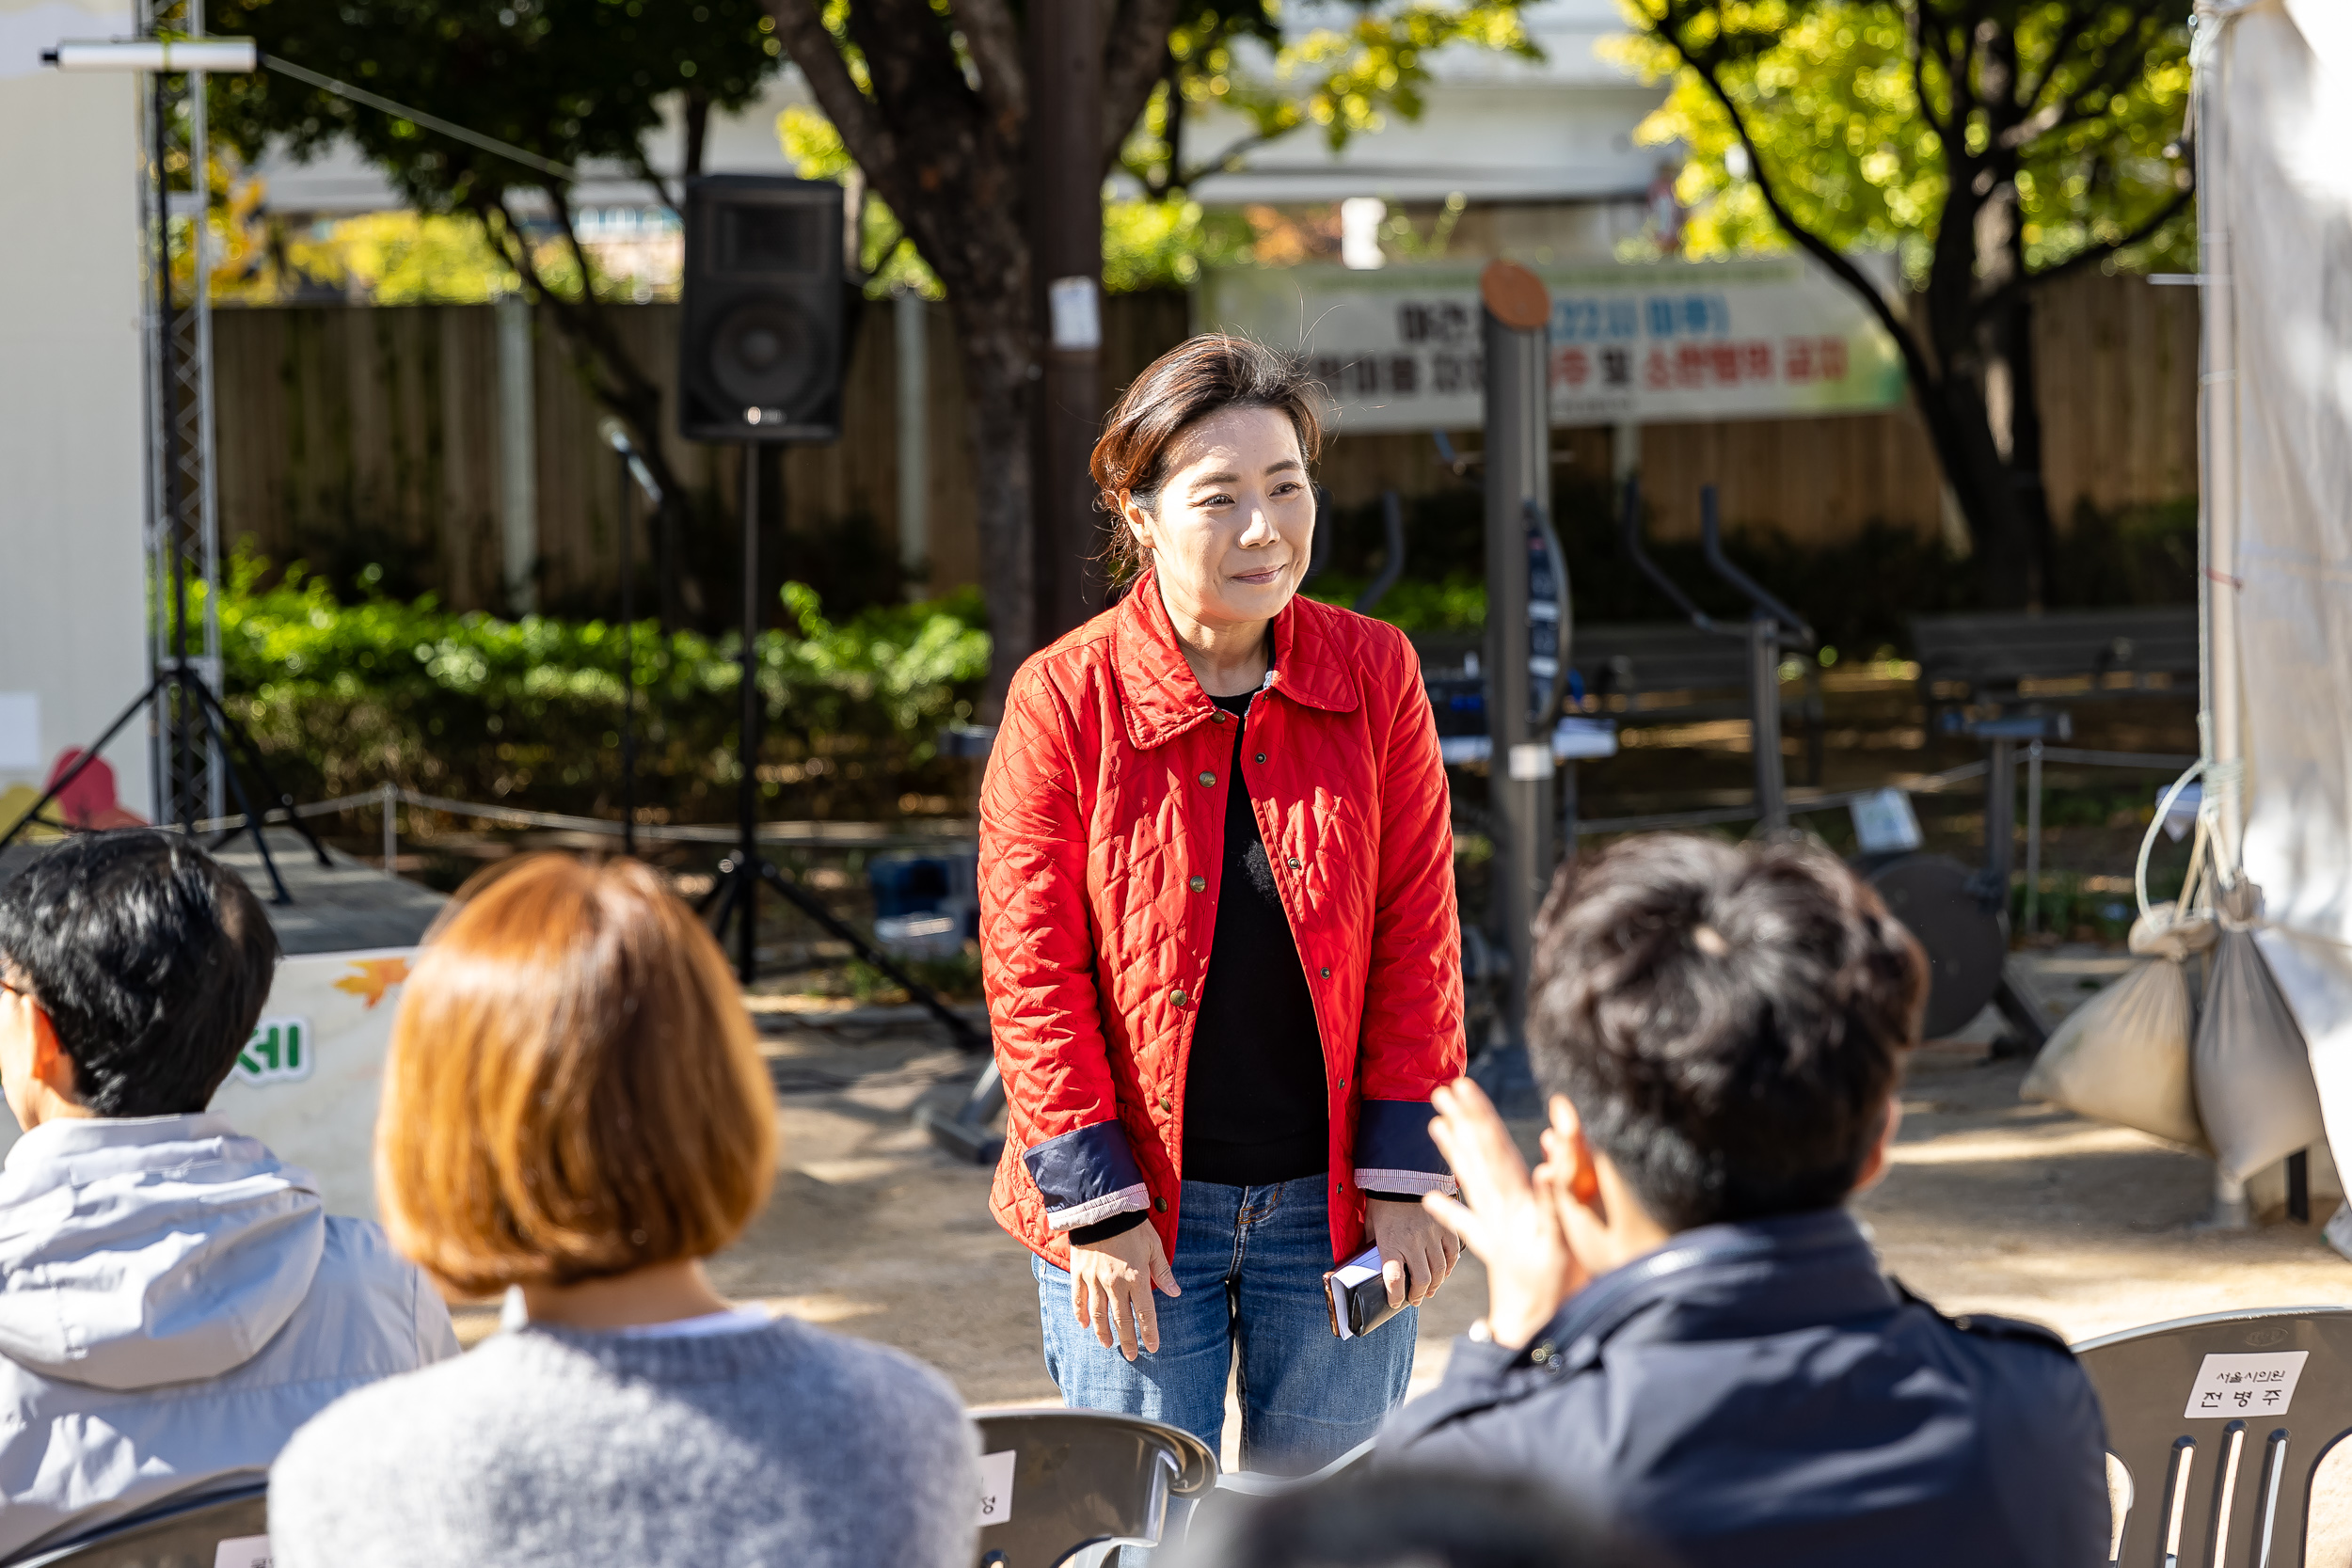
(575, 1106)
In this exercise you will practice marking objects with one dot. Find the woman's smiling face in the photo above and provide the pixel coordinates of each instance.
(1234, 523)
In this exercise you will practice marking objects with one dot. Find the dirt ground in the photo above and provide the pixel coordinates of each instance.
(1993, 1205)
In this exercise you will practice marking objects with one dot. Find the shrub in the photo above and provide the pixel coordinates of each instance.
(341, 696)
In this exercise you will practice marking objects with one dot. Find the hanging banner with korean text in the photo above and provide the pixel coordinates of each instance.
(1399, 348)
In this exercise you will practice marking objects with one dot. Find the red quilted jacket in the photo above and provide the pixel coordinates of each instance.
(1102, 831)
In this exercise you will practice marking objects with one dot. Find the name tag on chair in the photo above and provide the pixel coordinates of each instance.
(244, 1551)
(2245, 1385)
(996, 1489)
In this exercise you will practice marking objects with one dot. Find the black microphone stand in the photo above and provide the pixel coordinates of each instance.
(733, 896)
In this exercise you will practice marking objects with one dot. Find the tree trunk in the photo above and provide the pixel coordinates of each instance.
(1000, 397)
(2022, 439)
(1957, 399)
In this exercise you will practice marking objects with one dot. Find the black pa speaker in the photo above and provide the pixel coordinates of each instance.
(760, 343)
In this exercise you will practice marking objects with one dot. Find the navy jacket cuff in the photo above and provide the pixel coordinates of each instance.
(1394, 1152)
(1086, 1176)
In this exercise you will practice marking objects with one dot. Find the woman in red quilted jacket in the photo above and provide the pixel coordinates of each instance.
(1220, 945)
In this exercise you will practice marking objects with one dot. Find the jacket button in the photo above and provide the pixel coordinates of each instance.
(1261, 756)
(1218, 718)
(1163, 1104)
(1159, 1206)
(1208, 778)
(1199, 884)
(1326, 975)
(1178, 997)
(1540, 1355)
(1293, 863)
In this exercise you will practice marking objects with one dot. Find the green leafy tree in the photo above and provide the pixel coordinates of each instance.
(569, 80)
(1992, 144)
(930, 100)
(1339, 81)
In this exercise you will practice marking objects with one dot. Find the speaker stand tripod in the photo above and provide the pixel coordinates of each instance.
(733, 901)
(220, 728)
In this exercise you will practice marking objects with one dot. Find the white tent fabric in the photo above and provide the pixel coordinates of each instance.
(2282, 110)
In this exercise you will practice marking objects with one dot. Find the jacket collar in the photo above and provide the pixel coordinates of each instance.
(67, 1136)
(1162, 698)
(1740, 1280)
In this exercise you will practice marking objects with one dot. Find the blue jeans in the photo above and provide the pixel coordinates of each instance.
(1250, 1263)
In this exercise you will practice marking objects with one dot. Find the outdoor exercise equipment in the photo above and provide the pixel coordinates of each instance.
(1770, 627)
(1960, 916)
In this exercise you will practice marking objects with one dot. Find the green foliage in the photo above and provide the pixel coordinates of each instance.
(1164, 244)
(1344, 80)
(1225, 53)
(2136, 555)
(569, 80)
(886, 256)
(1827, 89)
(344, 695)
(1146, 244)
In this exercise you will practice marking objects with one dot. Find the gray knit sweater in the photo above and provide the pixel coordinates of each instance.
(783, 1445)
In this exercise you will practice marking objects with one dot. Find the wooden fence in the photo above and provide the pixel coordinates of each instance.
(351, 430)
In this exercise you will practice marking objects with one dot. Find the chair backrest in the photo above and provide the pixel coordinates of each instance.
(222, 1530)
(1080, 1478)
(2221, 1422)
(1252, 1484)
(1629, 658)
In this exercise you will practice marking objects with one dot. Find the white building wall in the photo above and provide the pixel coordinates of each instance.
(1494, 127)
(72, 488)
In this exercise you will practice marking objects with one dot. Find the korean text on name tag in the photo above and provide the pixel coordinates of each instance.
(2245, 1384)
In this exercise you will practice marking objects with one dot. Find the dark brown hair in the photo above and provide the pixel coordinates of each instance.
(1728, 1022)
(1198, 377)
(573, 1089)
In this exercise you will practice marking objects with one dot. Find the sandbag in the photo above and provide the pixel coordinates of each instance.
(2124, 1057)
(2255, 1093)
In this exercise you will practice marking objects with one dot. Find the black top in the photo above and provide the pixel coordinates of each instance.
(1255, 1111)
(1255, 1106)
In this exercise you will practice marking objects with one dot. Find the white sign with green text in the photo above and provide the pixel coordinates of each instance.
(308, 1079)
(1399, 347)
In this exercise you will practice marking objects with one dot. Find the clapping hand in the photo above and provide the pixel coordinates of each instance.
(1509, 1216)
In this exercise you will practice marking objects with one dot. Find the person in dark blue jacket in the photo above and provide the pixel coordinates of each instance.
(1686, 1330)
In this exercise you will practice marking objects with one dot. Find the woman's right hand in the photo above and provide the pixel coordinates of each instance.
(1111, 1283)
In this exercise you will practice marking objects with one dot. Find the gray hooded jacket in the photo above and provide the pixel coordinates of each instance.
(173, 1303)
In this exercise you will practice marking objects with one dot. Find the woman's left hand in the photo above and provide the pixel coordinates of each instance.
(1416, 1252)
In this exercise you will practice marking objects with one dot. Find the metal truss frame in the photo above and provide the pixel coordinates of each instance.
(183, 534)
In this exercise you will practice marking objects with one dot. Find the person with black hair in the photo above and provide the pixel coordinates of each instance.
(174, 1302)
(1686, 1328)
